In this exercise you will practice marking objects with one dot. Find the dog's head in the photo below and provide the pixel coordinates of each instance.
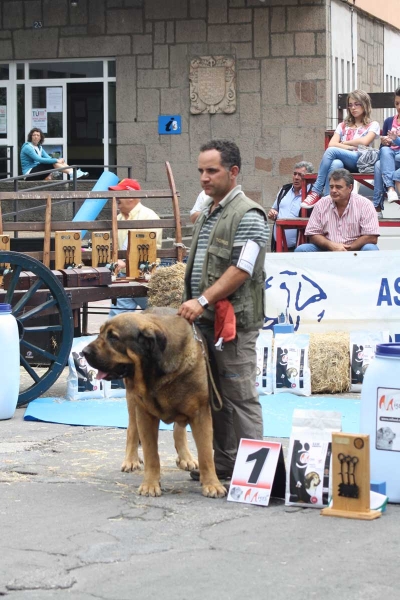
(386, 434)
(124, 343)
(311, 479)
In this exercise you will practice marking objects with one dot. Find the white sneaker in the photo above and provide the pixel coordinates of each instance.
(392, 196)
(80, 173)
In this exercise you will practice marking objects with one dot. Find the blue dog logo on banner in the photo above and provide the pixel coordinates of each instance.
(298, 292)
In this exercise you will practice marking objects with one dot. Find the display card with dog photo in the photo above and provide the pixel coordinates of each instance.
(388, 419)
(259, 473)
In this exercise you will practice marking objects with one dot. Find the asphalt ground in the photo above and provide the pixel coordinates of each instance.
(73, 525)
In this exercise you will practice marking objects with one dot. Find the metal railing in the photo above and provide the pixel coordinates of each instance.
(8, 159)
(50, 184)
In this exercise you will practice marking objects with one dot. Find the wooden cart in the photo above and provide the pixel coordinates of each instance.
(47, 297)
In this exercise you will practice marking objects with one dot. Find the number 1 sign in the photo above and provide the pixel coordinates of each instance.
(254, 472)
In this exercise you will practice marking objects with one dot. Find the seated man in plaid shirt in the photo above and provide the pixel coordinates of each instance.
(343, 221)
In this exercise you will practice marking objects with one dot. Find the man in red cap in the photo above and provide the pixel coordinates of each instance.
(131, 209)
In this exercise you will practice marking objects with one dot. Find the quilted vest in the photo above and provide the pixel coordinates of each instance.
(248, 299)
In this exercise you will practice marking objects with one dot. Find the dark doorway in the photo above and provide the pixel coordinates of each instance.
(85, 119)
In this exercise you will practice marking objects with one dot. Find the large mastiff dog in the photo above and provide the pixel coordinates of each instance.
(165, 375)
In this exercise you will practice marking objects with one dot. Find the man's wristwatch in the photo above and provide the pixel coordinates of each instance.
(202, 300)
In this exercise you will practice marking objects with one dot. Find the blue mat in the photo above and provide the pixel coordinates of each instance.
(277, 412)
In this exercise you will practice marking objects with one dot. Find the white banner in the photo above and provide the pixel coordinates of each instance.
(322, 291)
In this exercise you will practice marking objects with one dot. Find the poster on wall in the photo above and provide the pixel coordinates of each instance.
(54, 99)
(3, 119)
(39, 118)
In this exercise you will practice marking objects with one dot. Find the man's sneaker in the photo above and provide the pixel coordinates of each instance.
(80, 174)
(392, 196)
(379, 215)
(222, 475)
(310, 200)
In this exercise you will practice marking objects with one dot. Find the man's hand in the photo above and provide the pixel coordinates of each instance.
(273, 214)
(121, 264)
(190, 310)
(338, 247)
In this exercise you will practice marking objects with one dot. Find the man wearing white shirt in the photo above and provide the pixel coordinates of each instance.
(198, 205)
(131, 209)
(287, 204)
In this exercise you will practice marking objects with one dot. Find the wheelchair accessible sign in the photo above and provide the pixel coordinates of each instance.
(169, 125)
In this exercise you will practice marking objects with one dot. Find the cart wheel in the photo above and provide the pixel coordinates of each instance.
(46, 363)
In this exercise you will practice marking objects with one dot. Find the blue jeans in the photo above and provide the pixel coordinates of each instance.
(124, 305)
(334, 158)
(384, 175)
(314, 248)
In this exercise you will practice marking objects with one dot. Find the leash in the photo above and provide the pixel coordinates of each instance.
(216, 405)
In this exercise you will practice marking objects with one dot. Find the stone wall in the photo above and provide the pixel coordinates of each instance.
(280, 50)
(370, 68)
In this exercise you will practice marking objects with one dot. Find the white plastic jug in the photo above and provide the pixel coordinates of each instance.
(380, 416)
(9, 362)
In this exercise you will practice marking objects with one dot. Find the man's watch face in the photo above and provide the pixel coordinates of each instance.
(202, 301)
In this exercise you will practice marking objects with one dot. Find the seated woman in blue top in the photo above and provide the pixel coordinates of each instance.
(389, 159)
(357, 129)
(34, 159)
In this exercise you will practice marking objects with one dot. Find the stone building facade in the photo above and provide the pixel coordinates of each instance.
(282, 51)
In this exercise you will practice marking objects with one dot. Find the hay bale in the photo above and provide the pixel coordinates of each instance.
(329, 358)
(166, 286)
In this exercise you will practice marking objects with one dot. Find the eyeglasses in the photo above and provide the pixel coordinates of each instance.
(355, 105)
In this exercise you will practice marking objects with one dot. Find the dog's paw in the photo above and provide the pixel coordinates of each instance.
(187, 463)
(131, 465)
(216, 490)
(150, 489)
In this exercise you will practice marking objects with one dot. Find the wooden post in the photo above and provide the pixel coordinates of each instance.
(114, 223)
(47, 233)
(177, 214)
(350, 478)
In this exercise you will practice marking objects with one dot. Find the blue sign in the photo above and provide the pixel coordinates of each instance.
(169, 125)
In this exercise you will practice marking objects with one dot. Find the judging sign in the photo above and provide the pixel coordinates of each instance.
(254, 473)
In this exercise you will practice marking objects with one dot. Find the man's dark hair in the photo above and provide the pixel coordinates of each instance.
(342, 174)
(33, 131)
(397, 92)
(230, 153)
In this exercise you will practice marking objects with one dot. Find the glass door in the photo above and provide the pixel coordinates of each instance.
(45, 109)
(6, 137)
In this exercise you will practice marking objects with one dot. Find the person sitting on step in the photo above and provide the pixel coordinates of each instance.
(34, 159)
(343, 221)
(287, 204)
(357, 129)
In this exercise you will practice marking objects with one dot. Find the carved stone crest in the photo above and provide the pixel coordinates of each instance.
(212, 85)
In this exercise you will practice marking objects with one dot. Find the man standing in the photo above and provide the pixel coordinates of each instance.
(131, 209)
(287, 204)
(343, 220)
(226, 261)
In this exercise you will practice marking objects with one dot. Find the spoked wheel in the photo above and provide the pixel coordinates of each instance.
(45, 326)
